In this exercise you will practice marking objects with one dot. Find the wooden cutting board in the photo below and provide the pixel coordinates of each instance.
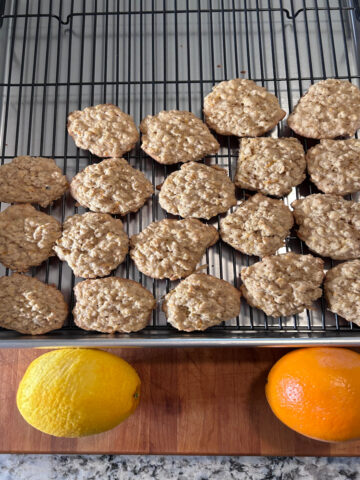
(194, 401)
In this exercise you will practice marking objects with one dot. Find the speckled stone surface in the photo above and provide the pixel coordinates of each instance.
(119, 467)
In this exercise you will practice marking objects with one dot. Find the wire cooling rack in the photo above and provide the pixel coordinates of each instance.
(150, 55)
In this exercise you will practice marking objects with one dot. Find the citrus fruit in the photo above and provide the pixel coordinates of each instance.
(316, 392)
(75, 392)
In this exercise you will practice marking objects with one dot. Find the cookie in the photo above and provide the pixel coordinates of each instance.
(27, 237)
(283, 285)
(240, 107)
(259, 226)
(104, 130)
(201, 301)
(31, 180)
(93, 244)
(112, 304)
(329, 109)
(342, 290)
(272, 166)
(176, 136)
(171, 248)
(334, 166)
(29, 306)
(329, 225)
(197, 190)
(111, 186)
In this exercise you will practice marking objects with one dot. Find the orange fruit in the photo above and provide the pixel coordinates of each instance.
(316, 392)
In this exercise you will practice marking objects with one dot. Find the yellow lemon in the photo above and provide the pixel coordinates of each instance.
(75, 392)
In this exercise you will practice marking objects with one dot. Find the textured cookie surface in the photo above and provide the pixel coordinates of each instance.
(171, 248)
(329, 225)
(31, 180)
(240, 107)
(112, 304)
(197, 190)
(201, 301)
(342, 290)
(176, 136)
(334, 166)
(93, 244)
(27, 237)
(259, 226)
(104, 130)
(270, 165)
(283, 284)
(111, 186)
(329, 109)
(29, 306)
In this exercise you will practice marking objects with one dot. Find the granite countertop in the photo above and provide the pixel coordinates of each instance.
(114, 467)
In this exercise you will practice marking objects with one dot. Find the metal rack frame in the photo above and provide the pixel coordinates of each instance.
(149, 55)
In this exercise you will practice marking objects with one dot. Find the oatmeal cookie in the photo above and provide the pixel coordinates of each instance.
(259, 226)
(112, 304)
(329, 225)
(334, 166)
(329, 109)
(240, 107)
(270, 165)
(197, 190)
(282, 285)
(27, 237)
(176, 136)
(201, 301)
(31, 180)
(104, 130)
(171, 248)
(93, 244)
(342, 290)
(111, 186)
(29, 306)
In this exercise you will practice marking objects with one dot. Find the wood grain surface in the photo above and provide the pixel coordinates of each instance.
(194, 401)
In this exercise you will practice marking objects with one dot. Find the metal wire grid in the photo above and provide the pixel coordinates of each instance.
(146, 56)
